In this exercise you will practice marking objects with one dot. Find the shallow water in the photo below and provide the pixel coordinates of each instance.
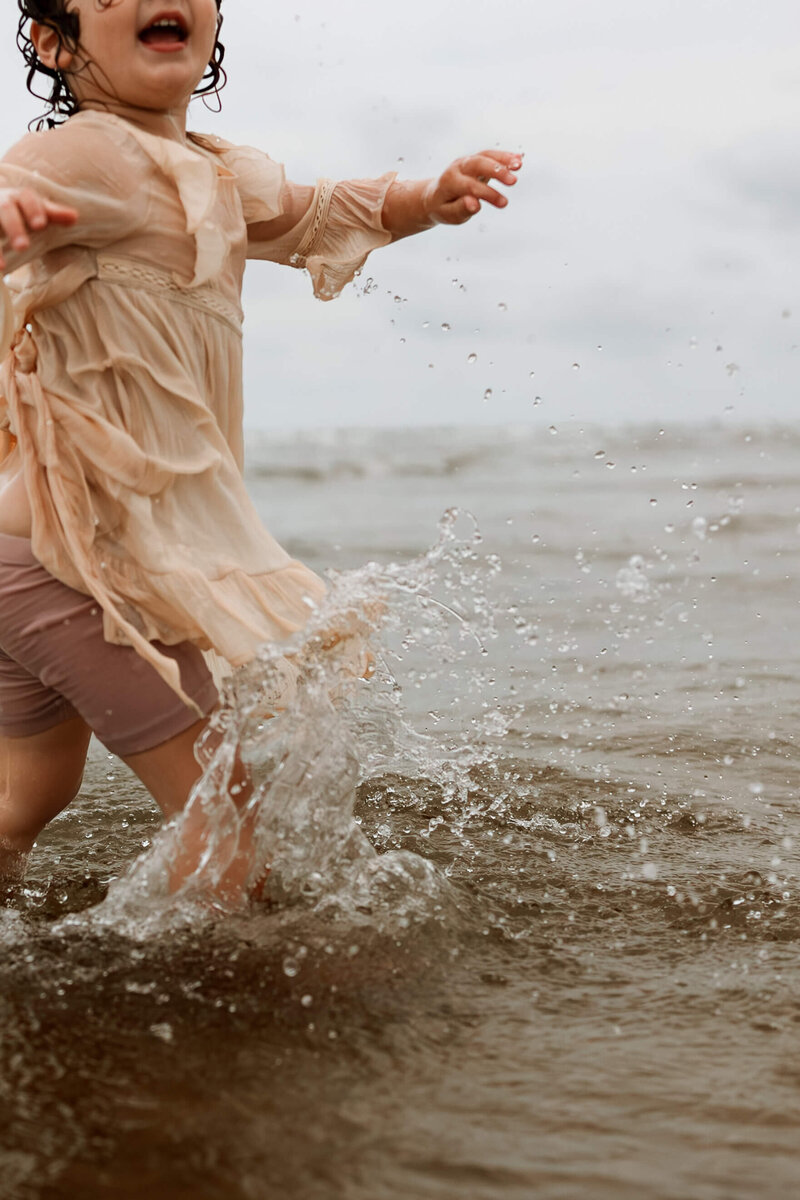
(571, 968)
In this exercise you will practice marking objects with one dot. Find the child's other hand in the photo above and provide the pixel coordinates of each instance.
(457, 194)
(22, 212)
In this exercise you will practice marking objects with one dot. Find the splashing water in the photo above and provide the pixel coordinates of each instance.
(309, 728)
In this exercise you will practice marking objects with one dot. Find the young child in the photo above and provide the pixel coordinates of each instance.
(128, 544)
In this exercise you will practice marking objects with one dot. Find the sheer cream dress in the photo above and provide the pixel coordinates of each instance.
(121, 375)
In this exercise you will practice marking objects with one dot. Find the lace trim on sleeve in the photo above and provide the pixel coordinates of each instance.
(316, 231)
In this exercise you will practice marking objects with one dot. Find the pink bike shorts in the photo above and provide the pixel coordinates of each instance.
(55, 664)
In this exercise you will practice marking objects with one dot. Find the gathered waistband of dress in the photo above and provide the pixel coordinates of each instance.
(132, 273)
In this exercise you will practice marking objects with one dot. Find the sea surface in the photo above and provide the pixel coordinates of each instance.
(532, 925)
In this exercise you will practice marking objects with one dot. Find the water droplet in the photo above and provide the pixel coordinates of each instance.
(599, 453)
(291, 967)
(653, 501)
(576, 366)
(553, 430)
(445, 327)
(472, 358)
(536, 539)
(611, 465)
(537, 400)
(502, 306)
(306, 1000)
(425, 324)
(487, 395)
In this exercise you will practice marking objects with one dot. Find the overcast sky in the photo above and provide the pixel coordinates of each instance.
(646, 268)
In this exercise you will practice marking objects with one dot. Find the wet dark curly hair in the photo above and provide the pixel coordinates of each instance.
(60, 101)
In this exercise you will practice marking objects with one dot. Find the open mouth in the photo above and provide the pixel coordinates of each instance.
(169, 30)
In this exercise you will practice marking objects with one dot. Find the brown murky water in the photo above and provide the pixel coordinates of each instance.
(571, 969)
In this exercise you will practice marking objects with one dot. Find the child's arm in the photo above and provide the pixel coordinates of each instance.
(330, 229)
(415, 205)
(78, 184)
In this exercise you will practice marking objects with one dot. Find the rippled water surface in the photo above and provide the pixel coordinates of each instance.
(532, 924)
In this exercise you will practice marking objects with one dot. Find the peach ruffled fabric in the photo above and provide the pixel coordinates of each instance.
(122, 375)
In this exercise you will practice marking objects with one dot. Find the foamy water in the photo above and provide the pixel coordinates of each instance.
(533, 912)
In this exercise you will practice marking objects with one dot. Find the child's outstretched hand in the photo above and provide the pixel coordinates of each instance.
(457, 194)
(454, 197)
(23, 212)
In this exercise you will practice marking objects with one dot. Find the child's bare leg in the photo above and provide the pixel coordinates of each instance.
(39, 775)
(169, 772)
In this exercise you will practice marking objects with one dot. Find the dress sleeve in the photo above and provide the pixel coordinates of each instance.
(82, 165)
(329, 229)
(336, 232)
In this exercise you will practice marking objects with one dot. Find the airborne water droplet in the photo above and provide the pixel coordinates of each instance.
(472, 358)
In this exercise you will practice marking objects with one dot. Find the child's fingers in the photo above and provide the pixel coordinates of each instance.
(32, 208)
(12, 222)
(487, 166)
(60, 214)
(482, 191)
(459, 211)
(39, 212)
(476, 186)
(26, 211)
(508, 158)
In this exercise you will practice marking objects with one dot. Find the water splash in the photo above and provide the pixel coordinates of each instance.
(305, 727)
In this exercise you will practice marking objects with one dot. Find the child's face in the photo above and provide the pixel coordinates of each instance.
(130, 60)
